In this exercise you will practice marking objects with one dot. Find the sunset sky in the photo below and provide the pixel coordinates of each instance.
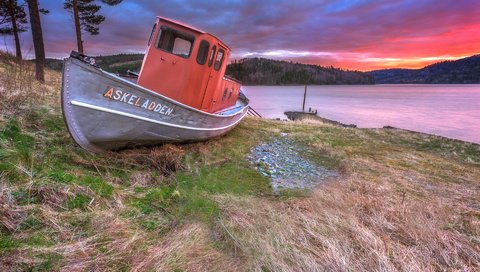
(352, 34)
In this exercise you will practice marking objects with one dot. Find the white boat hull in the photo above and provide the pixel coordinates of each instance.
(105, 112)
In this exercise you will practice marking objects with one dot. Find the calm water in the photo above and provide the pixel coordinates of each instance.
(448, 110)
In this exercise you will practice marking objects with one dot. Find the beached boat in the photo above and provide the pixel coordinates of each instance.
(180, 95)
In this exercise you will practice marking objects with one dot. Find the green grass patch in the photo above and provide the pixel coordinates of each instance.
(40, 238)
(156, 199)
(196, 190)
(199, 206)
(21, 144)
(322, 158)
(81, 223)
(154, 224)
(10, 171)
(97, 184)
(192, 196)
(31, 223)
(24, 197)
(16, 148)
(49, 262)
(54, 123)
(234, 178)
(7, 242)
(61, 176)
(156, 221)
(79, 201)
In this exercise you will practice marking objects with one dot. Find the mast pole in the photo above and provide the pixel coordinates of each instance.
(304, 97)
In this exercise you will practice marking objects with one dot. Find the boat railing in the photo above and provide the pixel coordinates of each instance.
(252, 112)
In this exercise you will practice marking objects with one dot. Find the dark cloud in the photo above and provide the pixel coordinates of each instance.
(359, 34)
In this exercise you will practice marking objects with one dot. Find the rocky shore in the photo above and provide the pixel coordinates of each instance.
(281, 160)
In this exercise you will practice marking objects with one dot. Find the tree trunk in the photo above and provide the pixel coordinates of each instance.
(78, 31)
(37, 39)
(11, 11)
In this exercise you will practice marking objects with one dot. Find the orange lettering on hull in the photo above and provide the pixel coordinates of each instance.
(137, 101)
(109, 93)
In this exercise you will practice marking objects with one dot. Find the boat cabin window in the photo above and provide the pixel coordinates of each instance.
(151, 34)
(219, 59)
(203, 52)
(212, 54)
(175, 42)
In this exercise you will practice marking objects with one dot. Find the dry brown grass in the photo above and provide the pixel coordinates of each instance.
(166, 158)
(19, 90)
(396, 221)
(188, 248)
(116, 245)
(111, 248)
(11, 215)
(15, 82)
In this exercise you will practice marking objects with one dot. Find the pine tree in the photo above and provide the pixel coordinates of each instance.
(86, 18)
(37, 36)
(13, 19)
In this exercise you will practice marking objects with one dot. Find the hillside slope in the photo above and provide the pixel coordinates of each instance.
(260, 71)
(466, 70)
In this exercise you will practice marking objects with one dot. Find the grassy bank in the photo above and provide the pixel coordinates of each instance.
(404, 201)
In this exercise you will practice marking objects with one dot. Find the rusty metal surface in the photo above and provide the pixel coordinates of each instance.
(106, 112)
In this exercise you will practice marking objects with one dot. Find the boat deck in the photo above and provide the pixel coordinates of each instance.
(233, 109)
(130, 78)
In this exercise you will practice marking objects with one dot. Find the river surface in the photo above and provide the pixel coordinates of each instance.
(452, 111)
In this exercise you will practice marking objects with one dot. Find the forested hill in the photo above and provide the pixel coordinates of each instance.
(259, 71)
(460, 71)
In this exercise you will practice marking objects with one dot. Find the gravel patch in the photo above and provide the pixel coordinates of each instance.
(281, 161)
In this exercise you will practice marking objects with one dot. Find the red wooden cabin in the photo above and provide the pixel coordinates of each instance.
(188, 65)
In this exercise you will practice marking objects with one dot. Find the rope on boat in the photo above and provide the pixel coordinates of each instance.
(252, 112)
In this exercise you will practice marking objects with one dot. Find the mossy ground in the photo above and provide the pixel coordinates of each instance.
(405, 201)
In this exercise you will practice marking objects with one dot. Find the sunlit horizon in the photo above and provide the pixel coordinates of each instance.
(362, 62)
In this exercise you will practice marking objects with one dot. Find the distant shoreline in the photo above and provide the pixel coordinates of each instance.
(299, 116)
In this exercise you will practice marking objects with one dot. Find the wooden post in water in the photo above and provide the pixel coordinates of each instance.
(304, 97)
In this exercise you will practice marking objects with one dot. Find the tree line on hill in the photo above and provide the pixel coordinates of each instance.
(462, 71)
(13, 21)
(260, 71)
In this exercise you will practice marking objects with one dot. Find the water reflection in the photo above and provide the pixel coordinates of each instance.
(449, 110)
